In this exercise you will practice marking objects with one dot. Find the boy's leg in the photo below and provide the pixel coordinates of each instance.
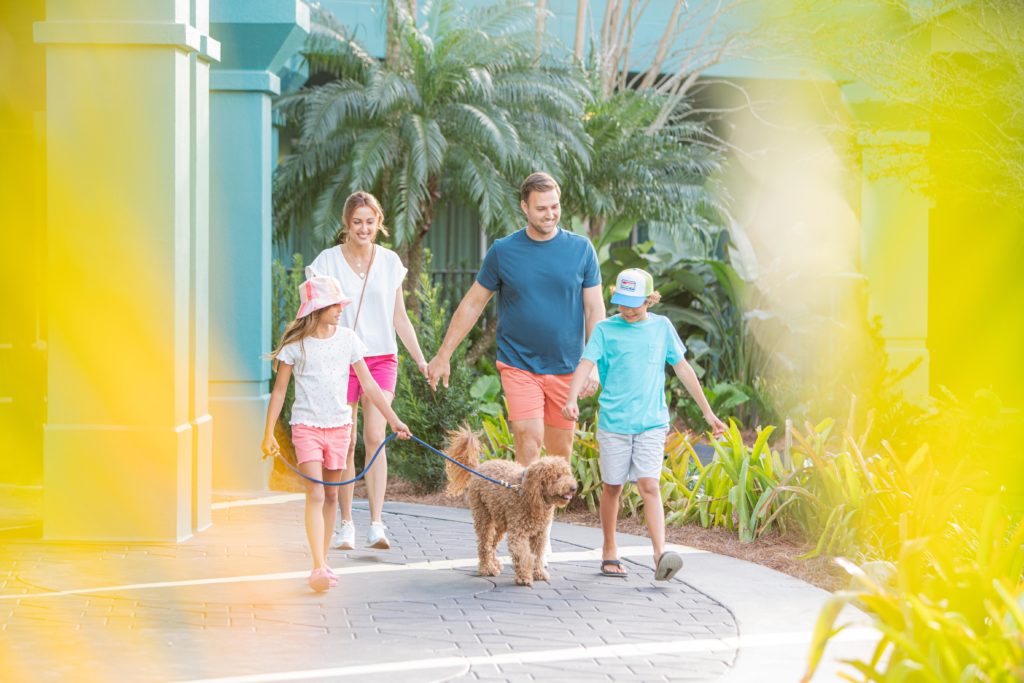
(654, 514)
(609, 512)
(614, 450)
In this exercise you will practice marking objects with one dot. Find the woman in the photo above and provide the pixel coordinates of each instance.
(373, 275)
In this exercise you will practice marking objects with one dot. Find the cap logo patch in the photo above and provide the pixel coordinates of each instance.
(628, 285)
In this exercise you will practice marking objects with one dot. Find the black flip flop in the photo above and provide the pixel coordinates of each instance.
(613, 563)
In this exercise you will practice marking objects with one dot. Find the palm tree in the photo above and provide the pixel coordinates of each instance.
(636, 173)
(470, 102)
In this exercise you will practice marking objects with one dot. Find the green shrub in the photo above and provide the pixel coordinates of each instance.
(285, 303)
(429, 414)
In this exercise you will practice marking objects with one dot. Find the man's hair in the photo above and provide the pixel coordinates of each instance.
(538, 182)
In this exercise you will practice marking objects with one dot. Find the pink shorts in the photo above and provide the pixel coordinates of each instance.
(326, 445)
(383, 369)
(532, 397)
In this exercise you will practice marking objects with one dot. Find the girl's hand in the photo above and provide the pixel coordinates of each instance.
(270, 446)
(422, 367)
(400, 429)
(717, 426)
(571, 410)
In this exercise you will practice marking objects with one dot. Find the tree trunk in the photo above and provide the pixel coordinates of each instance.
(581, 21)
(485, 343)
(391, 49)
(596, 227)
(414, 255)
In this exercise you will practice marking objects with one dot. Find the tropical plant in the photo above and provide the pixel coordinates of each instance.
(639, 174)
(467, 105)
(737, 490)
(952, 608)
(284, 304)
(429, 414)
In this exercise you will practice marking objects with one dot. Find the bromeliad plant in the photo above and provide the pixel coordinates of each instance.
(739, 489)
(952, 611)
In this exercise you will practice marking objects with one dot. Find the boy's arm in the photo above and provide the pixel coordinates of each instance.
(379, 400)
(571, 409)
(593, 313)
(689, 379)
(284, 375)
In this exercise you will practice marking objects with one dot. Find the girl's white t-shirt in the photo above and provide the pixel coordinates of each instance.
(377, 320)
(321, 377)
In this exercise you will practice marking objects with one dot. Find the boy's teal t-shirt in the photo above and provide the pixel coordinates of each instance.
(630, 359)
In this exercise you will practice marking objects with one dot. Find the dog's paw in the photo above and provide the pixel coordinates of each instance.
(541, 575)
(524, 581)
(489, 570)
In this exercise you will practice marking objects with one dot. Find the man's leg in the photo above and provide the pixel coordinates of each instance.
(558, 431)
(558, 441)
(528, 436)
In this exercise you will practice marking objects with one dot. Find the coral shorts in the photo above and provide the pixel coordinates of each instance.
(327, 445)
(532, 397)
(383, 369)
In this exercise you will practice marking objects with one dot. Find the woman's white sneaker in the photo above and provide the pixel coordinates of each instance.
(376, 538)
(344, 536)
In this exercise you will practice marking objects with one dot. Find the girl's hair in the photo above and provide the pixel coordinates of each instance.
(357, 200)
(296, 331)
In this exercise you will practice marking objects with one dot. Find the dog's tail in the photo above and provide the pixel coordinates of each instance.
(464, 446)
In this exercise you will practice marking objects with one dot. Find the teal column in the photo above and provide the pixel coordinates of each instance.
(894, 223)
(258, 36)
(121, 275)
(199, 337)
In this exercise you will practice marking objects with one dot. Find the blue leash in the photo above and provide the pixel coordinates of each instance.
(390, 437)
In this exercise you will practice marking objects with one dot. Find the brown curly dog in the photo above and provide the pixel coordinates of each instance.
(524, 512)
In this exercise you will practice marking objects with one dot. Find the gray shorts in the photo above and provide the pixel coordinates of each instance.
(631, 456)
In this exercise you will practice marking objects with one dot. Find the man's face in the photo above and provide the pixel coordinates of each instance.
(542, 209)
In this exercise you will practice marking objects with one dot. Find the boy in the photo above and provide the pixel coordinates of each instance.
(630, 351)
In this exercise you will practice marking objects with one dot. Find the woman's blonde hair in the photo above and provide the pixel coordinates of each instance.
(296, 331)
(355, 201)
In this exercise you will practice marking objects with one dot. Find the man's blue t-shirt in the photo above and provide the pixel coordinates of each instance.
(630, 359)
(540, 298)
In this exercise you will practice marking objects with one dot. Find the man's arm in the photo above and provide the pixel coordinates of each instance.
(593, 313)
(466, 315)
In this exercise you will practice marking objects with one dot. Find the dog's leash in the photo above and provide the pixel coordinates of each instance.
(391, 436)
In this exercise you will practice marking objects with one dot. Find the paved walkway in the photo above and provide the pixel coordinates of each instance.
(231, 604)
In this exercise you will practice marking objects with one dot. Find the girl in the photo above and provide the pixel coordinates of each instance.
(374, 275)
(319, 352)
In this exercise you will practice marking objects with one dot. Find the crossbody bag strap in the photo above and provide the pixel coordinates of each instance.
(362, 292)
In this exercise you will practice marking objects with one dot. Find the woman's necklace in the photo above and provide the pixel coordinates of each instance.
(358, 267)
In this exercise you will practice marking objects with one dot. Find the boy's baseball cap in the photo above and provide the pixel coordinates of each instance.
(319, 291)
(632, 287)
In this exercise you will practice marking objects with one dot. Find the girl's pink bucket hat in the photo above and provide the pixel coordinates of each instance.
(319, 291)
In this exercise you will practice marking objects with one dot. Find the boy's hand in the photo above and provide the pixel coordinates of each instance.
(400, 429)
(592, 384)
(571, 411)
(717, 426)
(270, 446)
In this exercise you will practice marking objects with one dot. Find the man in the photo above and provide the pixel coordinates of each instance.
(549, 288)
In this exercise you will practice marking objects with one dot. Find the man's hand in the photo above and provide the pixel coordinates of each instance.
(438, 369)
(592, 384)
